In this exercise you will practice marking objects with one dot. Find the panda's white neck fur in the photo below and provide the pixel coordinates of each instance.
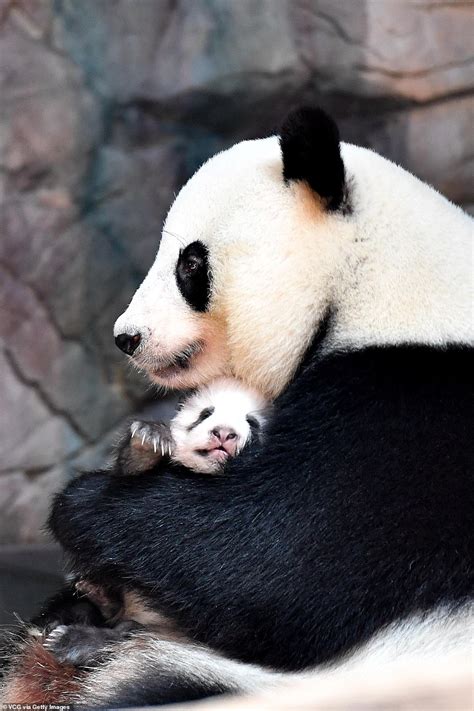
(408, 274)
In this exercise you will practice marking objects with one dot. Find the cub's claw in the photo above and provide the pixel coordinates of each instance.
(151, 436)
(54, 637)
(142, 448)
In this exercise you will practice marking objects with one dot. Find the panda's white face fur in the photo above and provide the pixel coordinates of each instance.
(396, 266)
(216, 423)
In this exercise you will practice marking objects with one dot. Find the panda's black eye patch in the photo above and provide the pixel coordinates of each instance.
(193, 276)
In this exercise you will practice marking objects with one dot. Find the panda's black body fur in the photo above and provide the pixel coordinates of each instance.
(356, 511)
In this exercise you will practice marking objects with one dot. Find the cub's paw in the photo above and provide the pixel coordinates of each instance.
(151, 437)
(70, 644)
(79, 645)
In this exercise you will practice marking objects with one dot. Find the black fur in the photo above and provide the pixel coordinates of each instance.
(193, 276)
(157, 689)
(69, 607)
(309, 141)
(203, 415)
(356, 510)
(253, 423)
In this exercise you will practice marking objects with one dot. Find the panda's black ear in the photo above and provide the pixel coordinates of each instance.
(309, 141)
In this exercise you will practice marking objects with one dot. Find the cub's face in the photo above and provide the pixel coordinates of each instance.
(240, 279)
(216, 423)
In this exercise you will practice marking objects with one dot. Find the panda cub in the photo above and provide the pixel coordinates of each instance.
(212, 425)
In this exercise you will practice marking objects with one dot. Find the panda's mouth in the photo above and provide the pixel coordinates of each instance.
(219, 452)
(178, 362)
(218, 455)
(212, 450)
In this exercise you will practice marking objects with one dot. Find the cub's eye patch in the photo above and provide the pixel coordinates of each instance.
(207, 412)
(253, 423)
(193, 276)
(204, 414)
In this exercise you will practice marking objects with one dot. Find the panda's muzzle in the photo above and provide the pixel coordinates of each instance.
(161, 366)
(178, 362)
(183, 358)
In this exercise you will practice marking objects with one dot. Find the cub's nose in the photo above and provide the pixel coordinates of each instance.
(224, 434)
(127, 342)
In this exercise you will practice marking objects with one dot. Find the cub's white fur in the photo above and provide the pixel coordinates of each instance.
(279, 260)
(206, 446)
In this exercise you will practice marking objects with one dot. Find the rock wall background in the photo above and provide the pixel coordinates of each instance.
(106, 107)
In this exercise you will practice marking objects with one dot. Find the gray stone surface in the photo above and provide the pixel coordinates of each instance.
(25, 501)
(28, 575)
(107, 106)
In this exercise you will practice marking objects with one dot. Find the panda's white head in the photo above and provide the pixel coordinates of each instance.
(270, 236)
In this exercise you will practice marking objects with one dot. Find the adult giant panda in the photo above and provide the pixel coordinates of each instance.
(341, 285)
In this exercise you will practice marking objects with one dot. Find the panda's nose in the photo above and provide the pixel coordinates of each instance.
(128, 342)
(224, 434)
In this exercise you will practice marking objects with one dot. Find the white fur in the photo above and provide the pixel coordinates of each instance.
(232, 402)
(418, 642)
(398, 269)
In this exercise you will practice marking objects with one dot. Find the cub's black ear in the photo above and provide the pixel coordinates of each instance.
(309, 141)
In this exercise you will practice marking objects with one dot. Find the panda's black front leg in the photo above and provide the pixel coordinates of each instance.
(143, 447)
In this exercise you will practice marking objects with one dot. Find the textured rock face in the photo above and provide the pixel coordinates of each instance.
(107, 106)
